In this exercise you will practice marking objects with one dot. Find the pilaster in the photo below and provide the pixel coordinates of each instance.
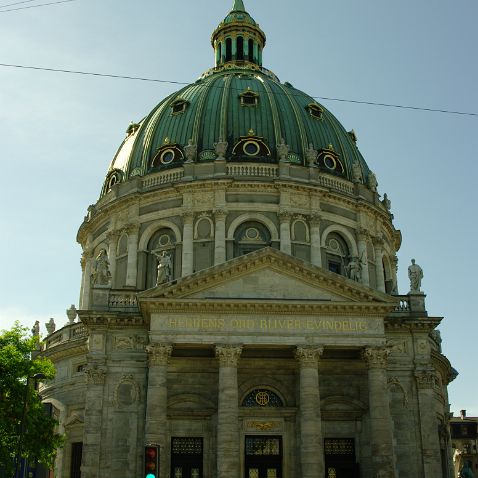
(378, 246)
(362, 236)
(220, 236)
(315, 249)
(285, 242)
(187, 259)
(132, 267)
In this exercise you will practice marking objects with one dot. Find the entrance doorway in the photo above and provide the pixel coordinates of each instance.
(340, 458)
(186, 457)
(263, 457)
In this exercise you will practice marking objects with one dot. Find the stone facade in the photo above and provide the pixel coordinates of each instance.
(241, 313)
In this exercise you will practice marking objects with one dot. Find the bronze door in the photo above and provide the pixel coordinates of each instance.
(340, 458)
(263, 457)
(186, 457)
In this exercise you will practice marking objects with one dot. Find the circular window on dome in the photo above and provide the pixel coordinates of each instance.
(113, 180)
(330, 162)
(251, 148)
(167, 156)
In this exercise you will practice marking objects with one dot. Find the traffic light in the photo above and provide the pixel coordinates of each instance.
(151, 461)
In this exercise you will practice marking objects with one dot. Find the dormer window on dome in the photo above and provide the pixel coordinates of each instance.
(168, 155)
(329, 161)
(251, 147)
(249, 98)
(179, 106)
(315, 110)
(114, 177)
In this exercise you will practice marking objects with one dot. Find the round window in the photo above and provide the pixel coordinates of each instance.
(330, 162)
(164, 240)
(251, 148)
(167, 156)
(252, 233)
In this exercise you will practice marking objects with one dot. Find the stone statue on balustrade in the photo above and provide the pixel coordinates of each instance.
(354, 269)
(283, 150)
(101, 270)
(357, 172)
(190, 151)
(372, 181)
(50, 326)
(415, 274)
(165, 268)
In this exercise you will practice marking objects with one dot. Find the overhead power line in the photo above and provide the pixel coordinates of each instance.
(17, 3)
(155, 80)
(34, 6)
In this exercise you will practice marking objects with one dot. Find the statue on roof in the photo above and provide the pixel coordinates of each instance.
(282, 150)
(311, 155)
(357, 172)
(415, 274)
(191, 151)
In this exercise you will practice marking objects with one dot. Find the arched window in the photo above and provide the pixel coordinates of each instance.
(121, 260)
(300, 240)
(163, 240)
(240, 48)
(337, 254)
(251, 50)
(203, 244)
(249, 237)
(261, 397)
(219, 53)
(228, 49)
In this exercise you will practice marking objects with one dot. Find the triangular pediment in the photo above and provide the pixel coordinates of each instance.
(266, 275)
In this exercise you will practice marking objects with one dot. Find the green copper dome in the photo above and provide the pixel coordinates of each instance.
(242, 109)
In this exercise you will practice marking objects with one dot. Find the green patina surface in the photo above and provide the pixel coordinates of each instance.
(214, 111)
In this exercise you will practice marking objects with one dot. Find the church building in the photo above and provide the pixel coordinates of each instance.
(239, 314)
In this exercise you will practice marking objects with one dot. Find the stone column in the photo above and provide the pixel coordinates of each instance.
(381, 439)
(311, 440)
(95, 379)
(378, 246)
(132, 267)
(285, 244)
(228, 443)
(156, 431)
(220, 236)
(112, 241)
(428, 424)
(188, 259)
(362, 251)
(394, 274)
(315, 248)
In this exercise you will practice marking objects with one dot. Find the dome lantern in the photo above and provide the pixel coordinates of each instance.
(238, 38)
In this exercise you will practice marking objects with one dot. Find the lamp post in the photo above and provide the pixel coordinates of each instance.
(18, 457)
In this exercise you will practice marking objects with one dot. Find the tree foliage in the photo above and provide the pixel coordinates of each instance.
(18, 365)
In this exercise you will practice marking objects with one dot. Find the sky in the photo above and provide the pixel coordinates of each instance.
(59, 132)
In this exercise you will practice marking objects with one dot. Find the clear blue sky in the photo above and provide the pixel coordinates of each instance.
(59, 132)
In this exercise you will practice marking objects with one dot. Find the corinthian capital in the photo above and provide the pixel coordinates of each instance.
(309, 355)
(220, 214)
(228, 355)
(425, 379)
(376, 357)
(159, 354)
(95, 375)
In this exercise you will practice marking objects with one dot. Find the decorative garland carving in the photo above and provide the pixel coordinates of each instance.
(394, 381)
(228, 355)
(159, 354)
(309, 355)
(135, 391)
